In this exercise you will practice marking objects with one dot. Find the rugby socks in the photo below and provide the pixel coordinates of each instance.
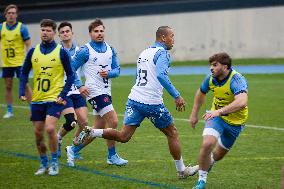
(97, 133)
(111, 152)
(9, 108)
(59, 138)
(212, 162)
(44, 160)
(212, 159)
(77, 149)
(180, 165)
(54, 157)
(203, 175)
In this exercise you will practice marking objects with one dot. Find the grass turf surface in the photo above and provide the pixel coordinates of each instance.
(254, 162)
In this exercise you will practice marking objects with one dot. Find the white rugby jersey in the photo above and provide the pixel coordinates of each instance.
(147, 88)
(96, 63)
(74, 89)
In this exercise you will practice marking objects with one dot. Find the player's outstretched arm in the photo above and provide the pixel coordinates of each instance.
(162, 64)
(199, 99)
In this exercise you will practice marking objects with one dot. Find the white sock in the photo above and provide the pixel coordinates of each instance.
(212, 162)
(59, 138)
(202, 175)
(180, 165)
(97, 133)
(212, 159)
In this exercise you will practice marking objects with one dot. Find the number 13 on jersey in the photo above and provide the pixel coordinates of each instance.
(142, 77)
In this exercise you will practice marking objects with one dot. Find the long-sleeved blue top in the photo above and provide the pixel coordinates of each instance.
(72, 50)
(46, 48)
(82, 56)
(24, 30)
(163, 61)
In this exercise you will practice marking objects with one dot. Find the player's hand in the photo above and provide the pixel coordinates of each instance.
(193, 120)
(211, 114)
(60, 100)
(84, 91)
(180, 104)
(23, 98)
(103, 74)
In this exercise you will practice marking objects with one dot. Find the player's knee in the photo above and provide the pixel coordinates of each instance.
(171, 132)
(38, 132)
(113, 123)
(50, 130)
(174, 132)
(70, 123)
(208, 145)
(38, 135)
(83, 124)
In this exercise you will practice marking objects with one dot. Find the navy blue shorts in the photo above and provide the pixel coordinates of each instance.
(101, 101)
(40, 111)
(76, 101)
(9, 72)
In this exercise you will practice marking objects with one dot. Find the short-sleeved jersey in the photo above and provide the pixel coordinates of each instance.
(223, 94)
(96, 63)
(48, 75)
(12, 46)
(147, 88)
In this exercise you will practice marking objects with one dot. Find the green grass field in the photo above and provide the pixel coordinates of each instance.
(254, 162)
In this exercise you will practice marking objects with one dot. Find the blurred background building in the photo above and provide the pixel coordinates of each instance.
(243, 28)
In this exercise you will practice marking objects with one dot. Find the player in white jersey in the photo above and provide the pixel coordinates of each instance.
(76, 107)
(99, 64)
(145, 100)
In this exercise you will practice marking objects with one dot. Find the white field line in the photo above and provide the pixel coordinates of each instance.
(251, 126)
(180, 119)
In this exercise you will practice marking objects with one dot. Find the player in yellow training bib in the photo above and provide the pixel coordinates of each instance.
(227, 116)
(48, 60)
(15, 38)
